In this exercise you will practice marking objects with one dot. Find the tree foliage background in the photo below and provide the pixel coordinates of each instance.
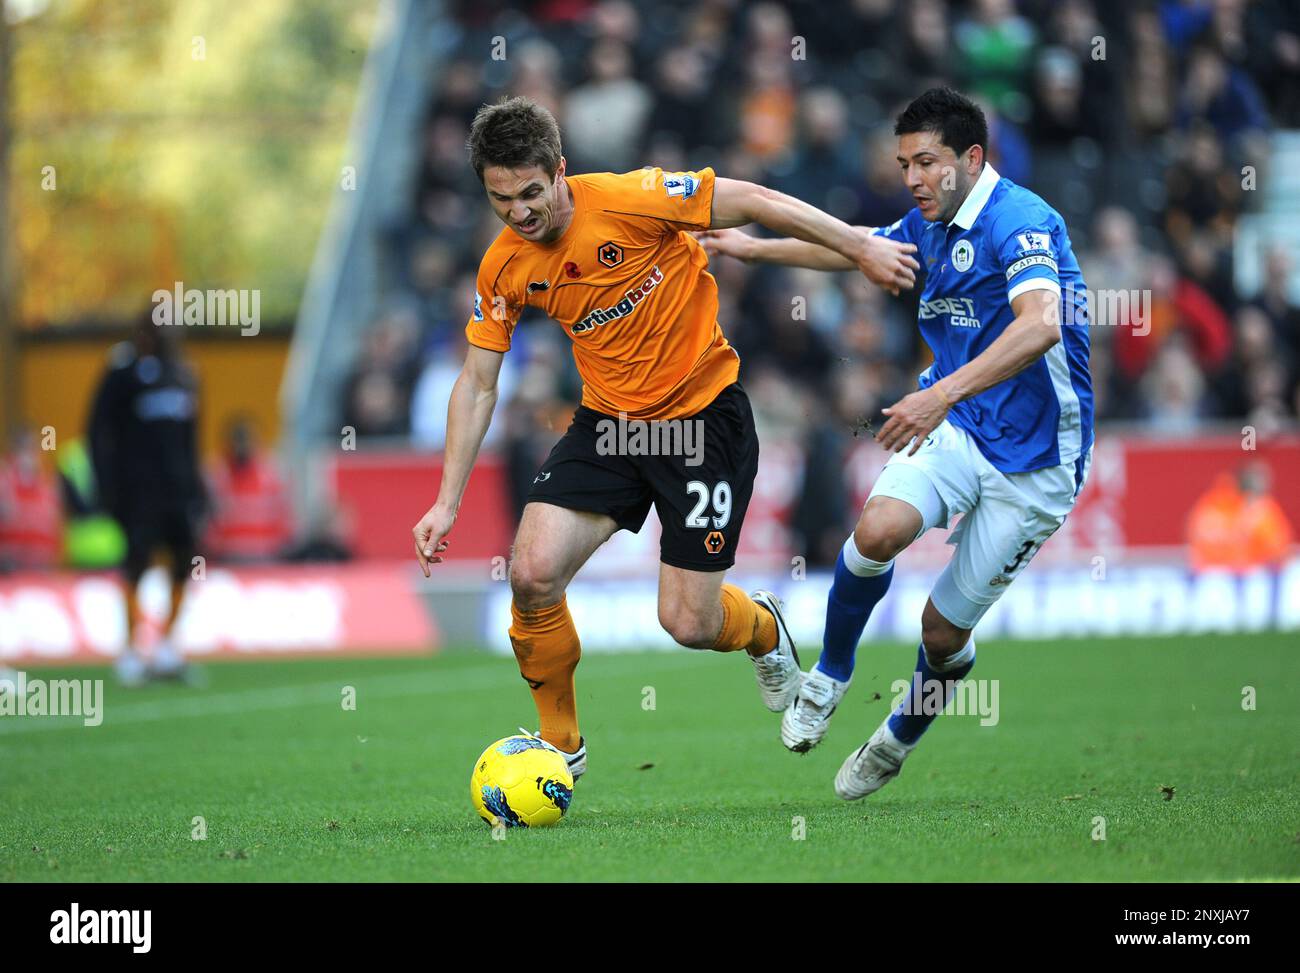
(185, 140)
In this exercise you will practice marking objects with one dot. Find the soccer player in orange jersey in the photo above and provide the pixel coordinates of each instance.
(611, 259)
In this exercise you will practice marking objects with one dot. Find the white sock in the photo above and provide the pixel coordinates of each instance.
(967, 654)
(859, 563)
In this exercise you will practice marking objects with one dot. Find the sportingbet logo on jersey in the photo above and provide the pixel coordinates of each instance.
(681, 185)
(631, 299)
(1035, 251)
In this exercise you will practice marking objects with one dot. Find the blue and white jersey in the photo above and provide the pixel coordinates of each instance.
(1003, 242)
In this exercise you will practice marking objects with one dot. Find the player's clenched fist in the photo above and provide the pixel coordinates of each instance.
(888, 263)
(429, 534)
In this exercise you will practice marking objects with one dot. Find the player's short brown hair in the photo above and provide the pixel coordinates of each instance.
(512, 133)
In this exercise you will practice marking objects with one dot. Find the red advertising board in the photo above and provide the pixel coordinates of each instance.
(231, 613)
(1139, 495)
(384, 494)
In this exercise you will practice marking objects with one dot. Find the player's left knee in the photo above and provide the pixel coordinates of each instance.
(687, 628)
(941, 637)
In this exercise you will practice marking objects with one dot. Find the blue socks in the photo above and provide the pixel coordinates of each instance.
(859, 584)
(930, 685)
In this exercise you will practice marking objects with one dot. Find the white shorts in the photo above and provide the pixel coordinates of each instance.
(1007, 518)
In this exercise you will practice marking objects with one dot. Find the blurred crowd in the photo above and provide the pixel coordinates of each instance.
(1150, 124)
(1147, 124)
(53, 518)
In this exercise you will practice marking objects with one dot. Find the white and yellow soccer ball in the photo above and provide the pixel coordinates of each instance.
(520, 782)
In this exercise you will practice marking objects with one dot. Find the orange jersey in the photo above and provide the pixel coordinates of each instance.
(1230, 529)
(631, 289)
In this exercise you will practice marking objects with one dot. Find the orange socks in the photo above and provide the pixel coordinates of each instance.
(745, 624)
(547, 648)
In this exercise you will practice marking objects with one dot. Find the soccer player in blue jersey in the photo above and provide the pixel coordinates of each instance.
(999, 431)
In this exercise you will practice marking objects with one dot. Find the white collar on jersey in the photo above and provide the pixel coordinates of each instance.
(979, 195)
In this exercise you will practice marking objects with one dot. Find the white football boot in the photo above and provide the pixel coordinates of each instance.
(808, 716)
(871, 767)
(576, 762)
(778, 672)
(169, 664)
(131, 669)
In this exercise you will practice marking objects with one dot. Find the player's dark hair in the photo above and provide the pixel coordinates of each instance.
(957, 120)
(512, 133)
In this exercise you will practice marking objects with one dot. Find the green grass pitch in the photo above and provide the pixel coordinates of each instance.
(291, 786)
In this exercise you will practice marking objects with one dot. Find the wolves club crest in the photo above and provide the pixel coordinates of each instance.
(610, 254)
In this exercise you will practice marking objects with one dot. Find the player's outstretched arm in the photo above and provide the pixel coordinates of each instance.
(786, 251)
(469, 413)
(1036, 328)
(883, 262)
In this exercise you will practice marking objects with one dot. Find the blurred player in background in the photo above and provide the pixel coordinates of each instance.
(143, 432)
(1000, 430)
(608, 257)
(249, 515)
(29, 508)
(1237, 525)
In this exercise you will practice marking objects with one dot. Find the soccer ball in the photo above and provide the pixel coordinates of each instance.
(519, 782)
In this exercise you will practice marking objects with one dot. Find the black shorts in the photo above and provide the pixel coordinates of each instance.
(698, 472)
(171, 526)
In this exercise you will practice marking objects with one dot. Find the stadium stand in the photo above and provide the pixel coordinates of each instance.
(1121, 114)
